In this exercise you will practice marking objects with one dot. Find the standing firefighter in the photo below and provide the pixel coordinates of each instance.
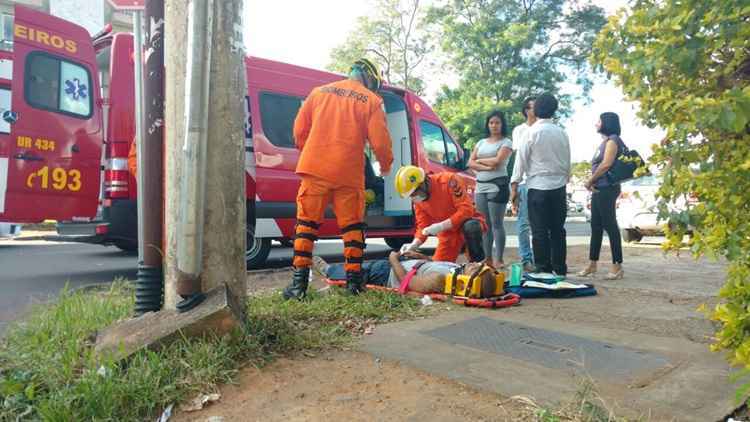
(330, 131)
(443, 209)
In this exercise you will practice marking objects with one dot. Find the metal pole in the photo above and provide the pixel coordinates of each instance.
(138, 65)
(193, 186)
(150, 279)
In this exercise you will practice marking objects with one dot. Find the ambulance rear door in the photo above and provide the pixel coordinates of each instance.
(53, 162)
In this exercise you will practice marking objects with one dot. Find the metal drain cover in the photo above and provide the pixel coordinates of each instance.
(550, 348)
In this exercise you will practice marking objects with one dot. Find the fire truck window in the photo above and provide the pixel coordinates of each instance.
(452, 155)
(277, 114)
(43, 81)
(432, 141)
(4, 105)
(74, 89)
(58, 85)
(7, 41)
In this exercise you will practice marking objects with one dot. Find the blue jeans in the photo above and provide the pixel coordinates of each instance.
(522, 224)
(375, 272)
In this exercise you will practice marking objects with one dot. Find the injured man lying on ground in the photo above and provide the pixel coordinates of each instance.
(430, 276)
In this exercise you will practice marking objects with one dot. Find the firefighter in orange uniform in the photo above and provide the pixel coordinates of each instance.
(330, 130)
(443, 209)
(132, 159)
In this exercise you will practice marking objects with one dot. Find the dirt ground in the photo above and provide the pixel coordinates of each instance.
(350, 385)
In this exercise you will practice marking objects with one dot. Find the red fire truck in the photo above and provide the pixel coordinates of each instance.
(51, 132)
(105, 125)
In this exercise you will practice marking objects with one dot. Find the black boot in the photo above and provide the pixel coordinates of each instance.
(355, 283)
(298, 288)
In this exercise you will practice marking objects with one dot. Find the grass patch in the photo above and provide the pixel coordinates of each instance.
(586, 406)
(48, 371)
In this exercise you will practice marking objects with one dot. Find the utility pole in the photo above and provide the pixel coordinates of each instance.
(224, 242)
(150, 283)
(205, 283)
(222, 230)
(175, 13)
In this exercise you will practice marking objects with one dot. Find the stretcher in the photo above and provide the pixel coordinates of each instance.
(503, 300)
(508, 299)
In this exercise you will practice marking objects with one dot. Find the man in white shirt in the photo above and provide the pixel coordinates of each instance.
(545, 161)
(522, 220)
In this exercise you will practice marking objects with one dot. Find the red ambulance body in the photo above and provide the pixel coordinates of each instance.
(80, 136)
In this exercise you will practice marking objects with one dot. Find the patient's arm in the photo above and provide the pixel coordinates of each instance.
(398, 269)
(416, 255)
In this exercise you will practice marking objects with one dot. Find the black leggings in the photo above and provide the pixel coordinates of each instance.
(603, 217)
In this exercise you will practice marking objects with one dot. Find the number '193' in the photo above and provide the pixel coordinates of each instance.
(60, 179)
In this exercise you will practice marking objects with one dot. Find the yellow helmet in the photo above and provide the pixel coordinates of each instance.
(365, 65)
(408, 179)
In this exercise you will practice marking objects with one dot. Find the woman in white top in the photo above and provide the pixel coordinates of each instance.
(489, 160)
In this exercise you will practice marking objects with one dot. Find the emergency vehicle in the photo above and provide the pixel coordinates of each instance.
(51, 128)
(105, 125)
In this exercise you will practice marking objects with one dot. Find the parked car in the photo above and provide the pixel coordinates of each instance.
(587, 208)
(574, 207)
(9, 230)
(637, 208)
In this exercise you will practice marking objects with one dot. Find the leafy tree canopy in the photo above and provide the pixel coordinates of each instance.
(688, 63)
(506, 50)
(392, 39)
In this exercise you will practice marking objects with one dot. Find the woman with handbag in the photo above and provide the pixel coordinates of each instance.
(489, 160)
(604, 196)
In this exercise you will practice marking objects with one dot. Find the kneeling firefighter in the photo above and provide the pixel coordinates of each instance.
(442, 208)
(330, 130)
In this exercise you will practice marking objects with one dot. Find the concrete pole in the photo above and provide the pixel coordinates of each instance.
(225, 215)
(225, 221)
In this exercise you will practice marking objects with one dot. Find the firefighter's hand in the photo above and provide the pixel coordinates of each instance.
(436, 228)
(416, 243)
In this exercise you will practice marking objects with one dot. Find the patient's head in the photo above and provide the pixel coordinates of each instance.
(486, 274)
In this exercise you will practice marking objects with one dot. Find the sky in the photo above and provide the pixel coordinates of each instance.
(305, 32)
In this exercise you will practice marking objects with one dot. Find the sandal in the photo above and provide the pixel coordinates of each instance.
(586, 271)
(615, 276)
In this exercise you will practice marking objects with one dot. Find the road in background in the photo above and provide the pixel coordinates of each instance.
(33, 271)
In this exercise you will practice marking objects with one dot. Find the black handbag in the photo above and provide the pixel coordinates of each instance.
(503, 195)
(625, 165)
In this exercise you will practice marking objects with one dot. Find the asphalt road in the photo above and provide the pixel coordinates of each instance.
(34, 271)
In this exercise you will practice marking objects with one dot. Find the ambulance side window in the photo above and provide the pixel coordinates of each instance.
(58, 85)
(433, 142)
(439, 146)
(452, 154)
(277, 114)
(4, 105)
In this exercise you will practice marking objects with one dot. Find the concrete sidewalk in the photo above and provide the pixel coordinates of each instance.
(640, 341)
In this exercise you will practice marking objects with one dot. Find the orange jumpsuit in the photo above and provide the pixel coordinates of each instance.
(448, 199)
(330, 130)
(132, 160)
